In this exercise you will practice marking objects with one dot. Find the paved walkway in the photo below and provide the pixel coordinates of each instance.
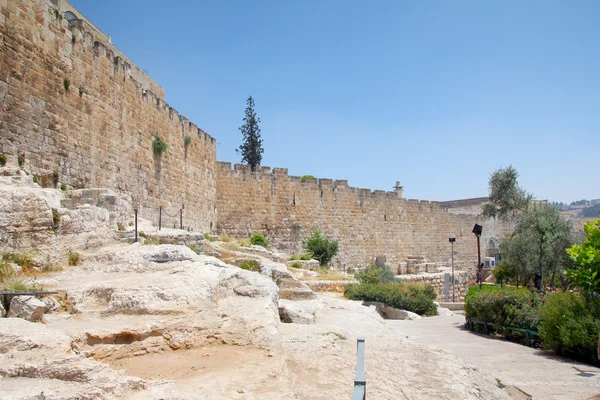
(533, 371)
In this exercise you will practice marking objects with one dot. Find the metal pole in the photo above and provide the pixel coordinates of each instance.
(453, 299)
(136, 233)
(360, 383)
(479, 264)
(160, 217)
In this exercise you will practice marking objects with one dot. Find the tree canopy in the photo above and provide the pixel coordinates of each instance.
(586, 259)
(251, 148)
(538, 245)
(506, 196)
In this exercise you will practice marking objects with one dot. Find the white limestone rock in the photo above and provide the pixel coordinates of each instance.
(291, 312)
(27, 307)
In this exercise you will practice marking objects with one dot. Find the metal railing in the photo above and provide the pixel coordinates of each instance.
(490, 326)
(360, 383)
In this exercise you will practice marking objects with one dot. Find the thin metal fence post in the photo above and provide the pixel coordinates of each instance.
(360, 383)
(136, 229)
(159, 217)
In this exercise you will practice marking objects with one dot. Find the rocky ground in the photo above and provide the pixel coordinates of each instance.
(160, 321)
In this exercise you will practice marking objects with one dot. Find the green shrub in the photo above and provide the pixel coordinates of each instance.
(159, 146)
(259, 240)
(570, 325)
(302, 257)
(410, 297)
(73, 258)
(55, 177)
(305, 177)
(55, 219)
(321, 248)
(21, 159)
(209, 238)
(66, 84)
(509, 306)
(297, 265)
(6, 272)
(16, 285)
(23, 259)
(193, 247)
(250, 265)
(187, 140)
(63, 187)
(2, 160)
(503, 273)
(375, 274)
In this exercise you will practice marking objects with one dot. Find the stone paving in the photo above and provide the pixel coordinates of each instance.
(534, 372)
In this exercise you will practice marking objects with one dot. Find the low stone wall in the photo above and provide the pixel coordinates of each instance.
(328, 286)
(442, 282)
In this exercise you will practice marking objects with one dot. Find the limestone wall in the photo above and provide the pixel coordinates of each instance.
(442, 283)
(366, 223)
(70, 103)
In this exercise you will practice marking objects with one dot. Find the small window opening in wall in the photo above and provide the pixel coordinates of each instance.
(294, 200)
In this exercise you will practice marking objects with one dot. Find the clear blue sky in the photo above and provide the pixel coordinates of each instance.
(437, 94)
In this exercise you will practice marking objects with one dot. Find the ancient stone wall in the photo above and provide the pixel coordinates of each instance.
(366, 223)
(69, 102)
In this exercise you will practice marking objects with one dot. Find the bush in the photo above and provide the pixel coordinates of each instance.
(6, 272)
(225, 238)
(193, 247)
(23, 259)
(302, 257)
(73, 258)
(209, 238)
(503, 273)
(159, 146)
(55, 177)
(187, 140)
(16, 285)
(509, 306)
(321, 247)
(66, 84)
(250, 265)
(305, 177)
(409, 297)
(55, 219)
(2, 160)
(63, 187)
(21, 159)
(375, 274)
(570, 325)
(259, 240)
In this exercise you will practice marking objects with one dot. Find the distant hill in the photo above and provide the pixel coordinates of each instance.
(591, 211)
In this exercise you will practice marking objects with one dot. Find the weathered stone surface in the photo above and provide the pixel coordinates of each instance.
(2, 310)
(35, 358)
(305, 264)
(290, 287)
(392, 313)
(27, 307)
(51, 303)
(291, 312)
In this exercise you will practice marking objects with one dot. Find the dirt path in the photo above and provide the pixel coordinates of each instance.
(535, 372)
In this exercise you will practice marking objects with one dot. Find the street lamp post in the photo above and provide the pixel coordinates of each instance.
(452, 240)
(477, 229)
